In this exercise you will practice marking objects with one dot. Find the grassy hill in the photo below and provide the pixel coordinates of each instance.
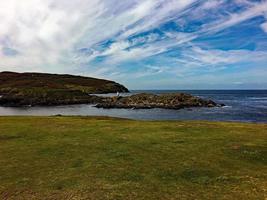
(106, 158)
(40, 88)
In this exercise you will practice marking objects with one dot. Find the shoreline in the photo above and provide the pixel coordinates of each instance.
(105, 117)
(174, 101)
(241, 107)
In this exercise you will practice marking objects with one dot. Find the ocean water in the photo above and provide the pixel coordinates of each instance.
(241, 105)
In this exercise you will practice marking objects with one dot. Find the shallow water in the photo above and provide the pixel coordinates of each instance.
(241, 105)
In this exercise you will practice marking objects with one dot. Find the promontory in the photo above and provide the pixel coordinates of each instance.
(20, 89)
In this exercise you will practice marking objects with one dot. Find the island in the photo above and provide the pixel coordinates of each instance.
(42, 89)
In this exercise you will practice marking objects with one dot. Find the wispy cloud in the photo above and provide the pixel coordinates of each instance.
(215, 57)
(119, 51)
(108, 37)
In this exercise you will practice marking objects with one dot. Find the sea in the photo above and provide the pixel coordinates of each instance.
(240, 106)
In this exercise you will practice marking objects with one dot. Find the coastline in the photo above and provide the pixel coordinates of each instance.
(106, 117)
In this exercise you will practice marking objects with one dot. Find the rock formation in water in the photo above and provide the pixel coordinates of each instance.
(147, 101)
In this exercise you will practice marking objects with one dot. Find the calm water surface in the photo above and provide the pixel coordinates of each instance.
(241, 105)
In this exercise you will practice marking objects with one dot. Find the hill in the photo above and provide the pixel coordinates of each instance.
(45, 89)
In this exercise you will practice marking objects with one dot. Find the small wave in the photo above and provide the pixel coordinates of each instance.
(258, 98)
(227, 106)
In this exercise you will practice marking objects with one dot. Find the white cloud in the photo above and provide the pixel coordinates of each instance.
(40, 31)
(163, 11)
(236, 18)
(46, 34)
(215, 57)
(210, 4)
(264, 27)
(119, 51)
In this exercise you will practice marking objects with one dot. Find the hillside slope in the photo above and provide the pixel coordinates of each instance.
(46, 89)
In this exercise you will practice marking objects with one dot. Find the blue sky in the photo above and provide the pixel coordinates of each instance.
(144, 44)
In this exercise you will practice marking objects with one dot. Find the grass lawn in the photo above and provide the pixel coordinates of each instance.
(107, 158)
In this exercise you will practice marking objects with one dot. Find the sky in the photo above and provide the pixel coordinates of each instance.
(143, 44)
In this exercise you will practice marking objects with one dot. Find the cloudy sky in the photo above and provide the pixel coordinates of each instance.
(144, 44)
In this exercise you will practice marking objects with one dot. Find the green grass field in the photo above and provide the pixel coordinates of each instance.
(107, 158)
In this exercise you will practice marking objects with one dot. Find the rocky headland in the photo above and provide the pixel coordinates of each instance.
(32, 89)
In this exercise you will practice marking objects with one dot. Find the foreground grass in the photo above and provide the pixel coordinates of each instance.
(106, 158)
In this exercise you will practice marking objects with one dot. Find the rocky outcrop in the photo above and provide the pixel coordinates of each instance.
(147, 101)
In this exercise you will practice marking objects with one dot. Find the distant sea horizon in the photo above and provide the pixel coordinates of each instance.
(241, 106)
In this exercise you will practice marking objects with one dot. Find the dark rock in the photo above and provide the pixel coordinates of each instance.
(148, 101)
